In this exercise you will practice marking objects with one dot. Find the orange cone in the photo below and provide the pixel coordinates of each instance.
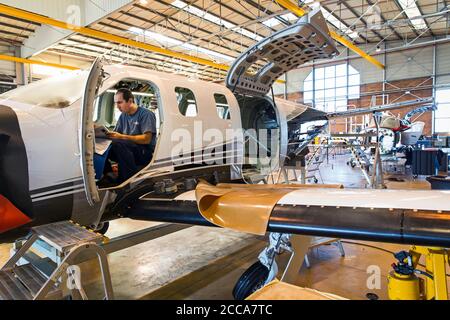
(10, 216)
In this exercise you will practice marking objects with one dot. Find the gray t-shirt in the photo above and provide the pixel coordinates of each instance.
(142, 121)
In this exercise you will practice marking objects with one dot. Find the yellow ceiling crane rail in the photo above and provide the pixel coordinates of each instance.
(287, 4)
(18, 13)
(30, 61)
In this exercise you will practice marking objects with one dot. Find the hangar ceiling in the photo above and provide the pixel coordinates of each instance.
(220, 30)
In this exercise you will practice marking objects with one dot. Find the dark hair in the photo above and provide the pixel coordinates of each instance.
(126, 94)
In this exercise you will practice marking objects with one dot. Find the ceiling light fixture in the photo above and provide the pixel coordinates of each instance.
(171, 41)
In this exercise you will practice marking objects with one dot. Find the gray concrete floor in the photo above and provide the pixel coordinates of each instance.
(205, 263)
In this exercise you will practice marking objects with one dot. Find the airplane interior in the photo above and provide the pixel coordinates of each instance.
(107, 114)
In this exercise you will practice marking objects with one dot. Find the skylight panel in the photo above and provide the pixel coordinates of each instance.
(215, 19)
(412, 11)
(339, 24)
(171, 41)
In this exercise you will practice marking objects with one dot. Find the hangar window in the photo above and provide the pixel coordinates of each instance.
(186, 102)
(329, 88)
(222, 107)
(442, 114)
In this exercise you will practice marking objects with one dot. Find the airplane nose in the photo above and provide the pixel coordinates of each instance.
(10, 216)
(15, 202)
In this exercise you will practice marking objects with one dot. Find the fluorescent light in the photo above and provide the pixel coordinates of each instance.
(412, 11)
(339, 24)
(215, 19)
(272, 22)
(134, 93)
(171, 41)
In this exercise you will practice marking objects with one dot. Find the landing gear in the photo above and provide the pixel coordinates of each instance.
(263, 271)
(251, 280)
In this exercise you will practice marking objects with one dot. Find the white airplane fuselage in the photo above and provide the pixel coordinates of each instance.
(51, 136)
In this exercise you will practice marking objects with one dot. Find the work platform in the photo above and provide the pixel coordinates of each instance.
(50, 270)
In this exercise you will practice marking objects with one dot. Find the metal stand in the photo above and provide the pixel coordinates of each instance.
(298, 245)
(377, 181)
(28, 282)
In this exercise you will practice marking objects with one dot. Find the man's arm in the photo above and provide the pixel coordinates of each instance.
(138, 139)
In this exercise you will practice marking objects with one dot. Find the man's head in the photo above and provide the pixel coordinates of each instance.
(124, 100)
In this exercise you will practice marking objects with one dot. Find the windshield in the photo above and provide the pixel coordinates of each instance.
(54, 92)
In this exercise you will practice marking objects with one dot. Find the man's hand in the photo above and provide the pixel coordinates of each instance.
(138, 139)
(115, 135)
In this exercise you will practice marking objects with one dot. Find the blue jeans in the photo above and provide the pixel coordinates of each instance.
(130, 157)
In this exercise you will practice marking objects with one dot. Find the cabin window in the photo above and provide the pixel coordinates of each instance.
(222, 107)
(186, 102)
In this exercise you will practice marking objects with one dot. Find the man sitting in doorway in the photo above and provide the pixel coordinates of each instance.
(134, 137)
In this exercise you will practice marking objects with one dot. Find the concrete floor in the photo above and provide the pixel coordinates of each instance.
(205, 263)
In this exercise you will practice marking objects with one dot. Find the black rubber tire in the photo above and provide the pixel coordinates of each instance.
(250, 281)
(104, 228)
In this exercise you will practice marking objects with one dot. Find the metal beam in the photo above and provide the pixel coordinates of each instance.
(344, 23)
(4, 24)
(360, 17)
(132, 15)
(21, 20)
(30, 61)
(300, 12)
(184, 23)
(370, 2)
(106, 36)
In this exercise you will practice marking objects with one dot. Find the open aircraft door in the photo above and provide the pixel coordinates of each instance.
(87, 133)
(254, 72)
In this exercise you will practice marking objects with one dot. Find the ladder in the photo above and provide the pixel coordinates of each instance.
(316, 159)
(29, 281)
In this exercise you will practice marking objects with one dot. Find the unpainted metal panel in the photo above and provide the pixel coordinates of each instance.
(369, 73)
(443, 63)
(409, 64)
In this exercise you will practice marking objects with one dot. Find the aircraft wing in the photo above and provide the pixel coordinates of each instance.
(398, 216)
(386, 107)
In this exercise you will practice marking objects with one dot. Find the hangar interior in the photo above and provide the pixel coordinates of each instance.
(393, 55)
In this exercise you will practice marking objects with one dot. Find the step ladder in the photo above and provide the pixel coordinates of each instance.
(316, 159)
(28, 281)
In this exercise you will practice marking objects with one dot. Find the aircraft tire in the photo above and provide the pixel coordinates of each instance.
(250, 281)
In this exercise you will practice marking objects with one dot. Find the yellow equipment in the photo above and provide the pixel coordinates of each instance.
(403, 284)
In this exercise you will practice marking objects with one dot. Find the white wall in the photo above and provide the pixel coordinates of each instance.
(7, 68)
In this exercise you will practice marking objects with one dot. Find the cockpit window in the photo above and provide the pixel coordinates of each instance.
(55, 92)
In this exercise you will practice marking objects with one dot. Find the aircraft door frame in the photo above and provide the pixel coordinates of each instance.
(86, 132)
